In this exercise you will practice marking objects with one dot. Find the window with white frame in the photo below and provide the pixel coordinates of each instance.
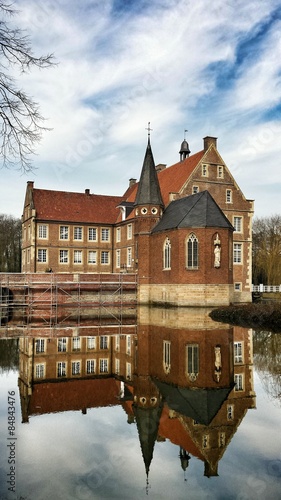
(103, 365)
(205, 170)
(42, 255)
(128, 371)
(77, 257)
(118, 258)
(129, 257)
(228, 196)
(105, 234)
(62, 343)
(40, 370)
(238, 352)
(63, 256)
(92, 257)
(64, 232)
(129, 232)
(76, 343)
(239, 382)
(75, 367)
(128, 344)
(117, 342)
(90, 366)
(39, 345)
(237, 287)
(167, 254)
(118, 234)
(91, 342)
(43, 231)
(92, 234)
(103, 342)
(192, 252)
(237, 253)
(237, 224)
(192, 361)
(61, 369)
(104, 257)
(195, 189)
(28, 256)
(166, 356)
(220, 172)
(117, 366)
(78, 233)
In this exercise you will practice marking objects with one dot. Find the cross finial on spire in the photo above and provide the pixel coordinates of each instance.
(149, 130)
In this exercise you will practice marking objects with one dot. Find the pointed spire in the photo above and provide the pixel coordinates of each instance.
(148, 189)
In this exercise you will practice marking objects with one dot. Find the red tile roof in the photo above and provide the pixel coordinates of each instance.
(75, 207)
(172, 178)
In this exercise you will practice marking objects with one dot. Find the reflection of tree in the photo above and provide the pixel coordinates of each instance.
(9, 354)
(267, 359)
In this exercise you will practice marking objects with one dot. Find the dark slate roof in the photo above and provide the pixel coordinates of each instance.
(148, 187)
(201, 405)
(197, 210)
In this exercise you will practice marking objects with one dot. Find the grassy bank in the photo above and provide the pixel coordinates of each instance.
(261, 315)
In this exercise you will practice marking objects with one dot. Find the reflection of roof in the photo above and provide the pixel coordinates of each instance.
(51, 397)
(201, 405)
(197, 210)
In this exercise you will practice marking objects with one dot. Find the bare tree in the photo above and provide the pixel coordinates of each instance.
(10, 244)
(21, 124)
(267, 250)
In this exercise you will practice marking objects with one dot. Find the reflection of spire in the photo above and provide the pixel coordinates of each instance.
(184, 458)
(147, 420)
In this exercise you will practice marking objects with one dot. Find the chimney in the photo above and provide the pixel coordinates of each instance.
(160, 167)
(87, 191)
(30, 184)
(208, 141)
(132, 182)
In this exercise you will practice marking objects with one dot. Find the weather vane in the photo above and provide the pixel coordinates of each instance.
(149, 130)
(185, 134)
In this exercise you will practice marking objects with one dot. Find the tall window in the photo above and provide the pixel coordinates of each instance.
(75, 367)
(61, 369)
(118, 258)
(238, 379)
(238, 352)
(63, 256)
(228, 196)
(129, 257)
(40, 370)
(43, 231)
(118, 234)
(90, 366)
(105, 234)
(103, 365)
(63, 232)
(40, 345)
(237, 224)
(92, 234)
(104, 257)
(76, 343)
(192, 361)
(103, 342)
(62, 344)
(129, 232)
(77, 257)
(128, 344)
(237, 253)
(91, 342)
(205, 170)
(92, 257)
(220, 171)
(42, 255)
(192, 252)
(78, 233)
(167, 356)
(167, 254)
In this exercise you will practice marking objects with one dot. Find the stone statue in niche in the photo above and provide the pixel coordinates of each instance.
(217, 251)
(218, 365)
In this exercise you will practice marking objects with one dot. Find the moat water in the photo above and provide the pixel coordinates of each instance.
(165, 404)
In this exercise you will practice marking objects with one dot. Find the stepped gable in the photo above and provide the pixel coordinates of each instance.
(197, 210)
(75, 207)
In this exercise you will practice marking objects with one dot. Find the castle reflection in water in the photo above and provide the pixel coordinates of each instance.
(178, 375)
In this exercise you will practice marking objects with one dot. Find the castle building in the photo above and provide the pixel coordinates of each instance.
(185, 230)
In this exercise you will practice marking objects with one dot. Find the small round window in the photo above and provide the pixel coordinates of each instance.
(144, 210)
(154, 211)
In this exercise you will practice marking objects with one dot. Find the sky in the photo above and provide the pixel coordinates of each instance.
(211, 68)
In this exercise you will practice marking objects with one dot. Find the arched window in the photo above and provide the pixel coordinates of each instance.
(167, 254)
(192, 252)
(192, 361)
